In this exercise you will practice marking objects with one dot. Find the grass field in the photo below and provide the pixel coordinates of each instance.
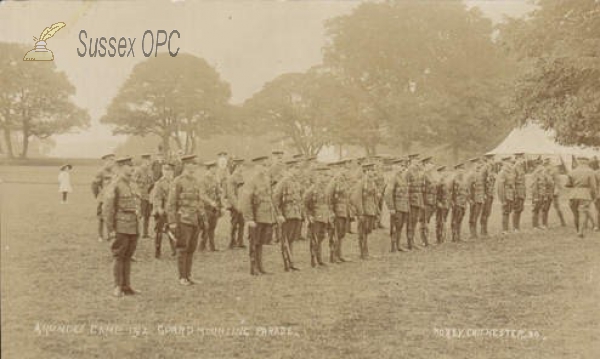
(54, 272)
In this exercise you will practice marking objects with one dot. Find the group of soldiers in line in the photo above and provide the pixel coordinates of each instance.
(286, 197)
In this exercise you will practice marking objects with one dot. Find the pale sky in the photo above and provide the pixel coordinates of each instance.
(248, 42)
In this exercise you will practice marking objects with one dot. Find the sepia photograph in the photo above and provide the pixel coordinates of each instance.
(291, 179)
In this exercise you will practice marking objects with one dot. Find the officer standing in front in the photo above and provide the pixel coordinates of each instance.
(121, 216)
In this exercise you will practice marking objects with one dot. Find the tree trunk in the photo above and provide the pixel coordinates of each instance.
(8, 141)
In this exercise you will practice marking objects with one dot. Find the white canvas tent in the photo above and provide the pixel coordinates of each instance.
(532, 139)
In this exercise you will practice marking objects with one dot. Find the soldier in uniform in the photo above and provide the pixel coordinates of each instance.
(378, 174)
(211, 189)
(490, 182)
(121, 216)
(316, 208)
(476, 180)
(520, 190)
(555, 173)
(338, 194)
(365, 199)
(506, 191)
(429, 200)
(582, 180)
(397, 201)
(443, 199)
(144, 181)
(415, 180)
(235, 182)
(101, 180)
(460, 198)
(288, 203)
(259, 212)
(185, 207)
(538, 195)
(549, 193)
(159, 196)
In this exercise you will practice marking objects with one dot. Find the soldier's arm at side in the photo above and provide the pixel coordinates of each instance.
(388, 194)
(109, 208)
(172, 202)
(356, 198)
(247, 205)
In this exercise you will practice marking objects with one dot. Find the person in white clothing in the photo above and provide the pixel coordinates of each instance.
(64, 182)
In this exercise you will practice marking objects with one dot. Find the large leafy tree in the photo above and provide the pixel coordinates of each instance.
(423, 73)
(300, 106)
(35, 99)
(179, 99)
(559, 49)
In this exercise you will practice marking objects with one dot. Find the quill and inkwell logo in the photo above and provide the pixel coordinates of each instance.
(40, 52)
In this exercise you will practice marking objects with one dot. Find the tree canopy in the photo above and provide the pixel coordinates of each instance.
(558, 47)
(177, 99)
(35, 99)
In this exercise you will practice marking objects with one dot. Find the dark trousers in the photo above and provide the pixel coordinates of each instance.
(413, 218)
(535, 212)
(474, 213)
(518, 206)
(365, 226)
(340, 226)
(486, 212)
(426, 214)
(290, 231)
(317, 232)
(237, 229)
(507, 208)
(208, 234)
(122, 249)
(187, 241)
(398, 221)
(258, 236)
(64, 196)
(458, 213)
(145, 209)
(159, 229)
(441, 216)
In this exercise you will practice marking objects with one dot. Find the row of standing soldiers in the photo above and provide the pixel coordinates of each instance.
(283, 196)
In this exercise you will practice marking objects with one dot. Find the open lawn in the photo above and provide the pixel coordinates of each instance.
(545, 283)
